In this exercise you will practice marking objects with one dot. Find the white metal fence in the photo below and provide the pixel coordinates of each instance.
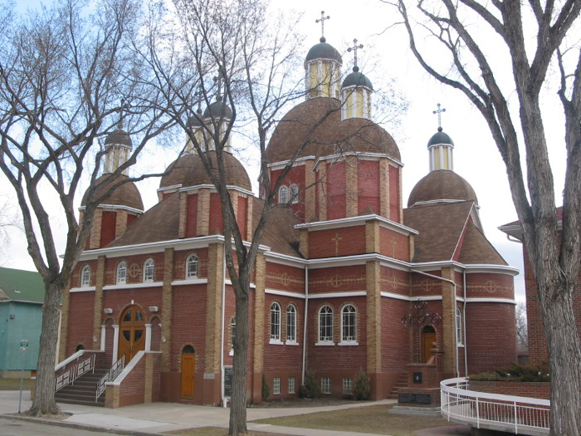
(110, 376)
(519, 415)
(73, 370)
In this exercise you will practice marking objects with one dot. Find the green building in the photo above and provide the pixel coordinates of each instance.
(21, 298)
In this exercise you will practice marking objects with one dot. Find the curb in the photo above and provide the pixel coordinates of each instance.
(80, 426)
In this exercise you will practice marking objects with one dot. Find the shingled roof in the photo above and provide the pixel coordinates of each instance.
(21, 286)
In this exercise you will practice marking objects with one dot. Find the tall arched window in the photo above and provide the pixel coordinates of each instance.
(326, 324)
(275, 322)
(121, 272)
(291, 323)
(459, 327)
(349, 324)
(294, 193)
(148, 270)
(192, 267)
(283, 194)
(86, 276)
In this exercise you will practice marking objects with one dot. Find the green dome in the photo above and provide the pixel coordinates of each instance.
(440, 138)
(323, 51)
(195, 121)
(218, 109)
(357, 79)
(120, 137)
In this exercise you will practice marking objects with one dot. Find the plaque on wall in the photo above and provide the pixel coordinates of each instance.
(228, 377)
(414, 398)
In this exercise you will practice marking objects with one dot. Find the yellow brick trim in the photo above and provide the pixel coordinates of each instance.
(203, 212)
(259, 313)
(98, 302)
(214, 307)
(384, 187)
(448, 320)
(120, 222)
(95, 238)
(166, 303)
(249, 212)
(304, 242)
(148, 388)
(310, 192)
(183, 214)
(351, 181)
(372, 237)
(373, 302)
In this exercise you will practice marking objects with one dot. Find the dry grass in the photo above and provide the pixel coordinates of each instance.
(215, 431)
(13, 384)
(369, 419)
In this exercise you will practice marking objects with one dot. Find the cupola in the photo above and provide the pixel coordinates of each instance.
(217, 117)
(356, 91)
(441, 147)
(118, 146)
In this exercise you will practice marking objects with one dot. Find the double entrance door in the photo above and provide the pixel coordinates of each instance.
(131, 333)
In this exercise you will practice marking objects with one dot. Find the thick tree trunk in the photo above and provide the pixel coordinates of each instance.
(43, 402)
(238, 405)
(565, 363)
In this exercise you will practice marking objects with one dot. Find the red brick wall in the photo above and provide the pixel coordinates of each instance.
(192, 215)
(76, 276)
(130, 219)
(119, 299)
(284, 277)
(132, 388)
(336, 201)
(138, 260)
(351, 240)
(180, 263)
(80, 328)
(393, 244)
(368, 185)
(395, 337)
(394, 196)
(216, 223)
(108, 227)
(394, 281)
(295, 175)
(519, 389)
(426, 286)
(489, 286)
(338, 279)
(241, 217)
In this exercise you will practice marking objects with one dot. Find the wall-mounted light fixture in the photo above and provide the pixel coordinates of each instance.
(12, 316)
(107, 311)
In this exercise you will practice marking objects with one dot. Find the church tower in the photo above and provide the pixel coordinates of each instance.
(440, 147)
(356, 91)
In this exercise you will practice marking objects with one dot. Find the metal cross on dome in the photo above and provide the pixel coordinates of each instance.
(322, 21)
(421, 317)
(439, 112)
(354, 50)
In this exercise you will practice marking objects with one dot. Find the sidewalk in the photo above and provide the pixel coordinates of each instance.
(155, 418)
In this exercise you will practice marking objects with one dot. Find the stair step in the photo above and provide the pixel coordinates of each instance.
(83, 390)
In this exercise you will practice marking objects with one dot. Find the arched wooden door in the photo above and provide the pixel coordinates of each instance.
(428, 337)
(131, 333)
(188, 372)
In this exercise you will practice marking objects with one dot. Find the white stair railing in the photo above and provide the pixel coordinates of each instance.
(74, 370)
(109, 376)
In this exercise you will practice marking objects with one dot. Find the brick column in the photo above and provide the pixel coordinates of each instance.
(212, 370)
(372, 237)
(120, 222)
(234, 201)
(203, 212)
(148, 388)
(183, 214)
(166, 311)
(412, 245)
(95, 238)
(351, 182)
(249, 214)
(373, 320)
(384, 187)
(304, 242)
(310, 193)
(98, 304)
(259, 323)
(448, 319)
(399, 196)
(322, 186)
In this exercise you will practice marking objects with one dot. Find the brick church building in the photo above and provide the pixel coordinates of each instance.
(349, 277)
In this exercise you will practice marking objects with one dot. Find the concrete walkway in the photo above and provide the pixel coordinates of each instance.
(155, 418)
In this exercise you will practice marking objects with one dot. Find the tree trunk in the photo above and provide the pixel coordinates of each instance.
(43, 402)
(565, 362)
(238, 404)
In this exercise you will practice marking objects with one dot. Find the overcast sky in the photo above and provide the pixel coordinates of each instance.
(475, 155)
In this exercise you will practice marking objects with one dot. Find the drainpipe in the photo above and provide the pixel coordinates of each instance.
(223, 326)
(454, 314)
(464, 325)
(305, 323)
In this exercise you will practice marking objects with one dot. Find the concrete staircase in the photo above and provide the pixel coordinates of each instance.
(83, 390)
(402, 382)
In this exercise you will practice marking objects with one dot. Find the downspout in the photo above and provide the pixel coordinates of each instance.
(305, 323)
(464, 325)
(454, 314)
(223, 326)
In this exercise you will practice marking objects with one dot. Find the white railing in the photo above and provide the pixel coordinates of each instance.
(74, 370)
(109, 376)
(519, 415)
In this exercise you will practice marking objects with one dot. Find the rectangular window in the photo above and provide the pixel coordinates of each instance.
(347, 386)
(325, 385)
(276, 386)
(291, 385)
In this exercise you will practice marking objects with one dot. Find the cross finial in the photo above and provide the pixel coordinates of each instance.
(439, 112)
(354, 50)
(218, 81)
(322, 21)
(120, 122)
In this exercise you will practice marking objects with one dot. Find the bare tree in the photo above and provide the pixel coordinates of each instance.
(67, 78)
(522, 336)
(532, 36)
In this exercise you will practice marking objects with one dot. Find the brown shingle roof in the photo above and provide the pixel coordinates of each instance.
(279, 233)
(477, 249)
(318, 121)
(188, 170)
(126, 194)
(442, 185)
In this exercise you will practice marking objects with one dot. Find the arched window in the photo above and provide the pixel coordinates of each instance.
(283, 194)
(459, 327)
(291, 323)
(192, 267)
(275, 322)
(326, 324)
(148, 269)
(86, 276)
(349, 324)
(294, 193)
(122, 272)
(232, 334)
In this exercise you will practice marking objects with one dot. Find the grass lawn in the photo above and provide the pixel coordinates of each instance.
(215, 431)
(13, 384)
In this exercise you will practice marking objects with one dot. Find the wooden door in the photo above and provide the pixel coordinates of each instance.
(428, 338)
(131, 333)
(188, 371)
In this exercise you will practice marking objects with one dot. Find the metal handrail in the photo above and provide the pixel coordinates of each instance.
(521, 415)
(109, 376)
(74, 371)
